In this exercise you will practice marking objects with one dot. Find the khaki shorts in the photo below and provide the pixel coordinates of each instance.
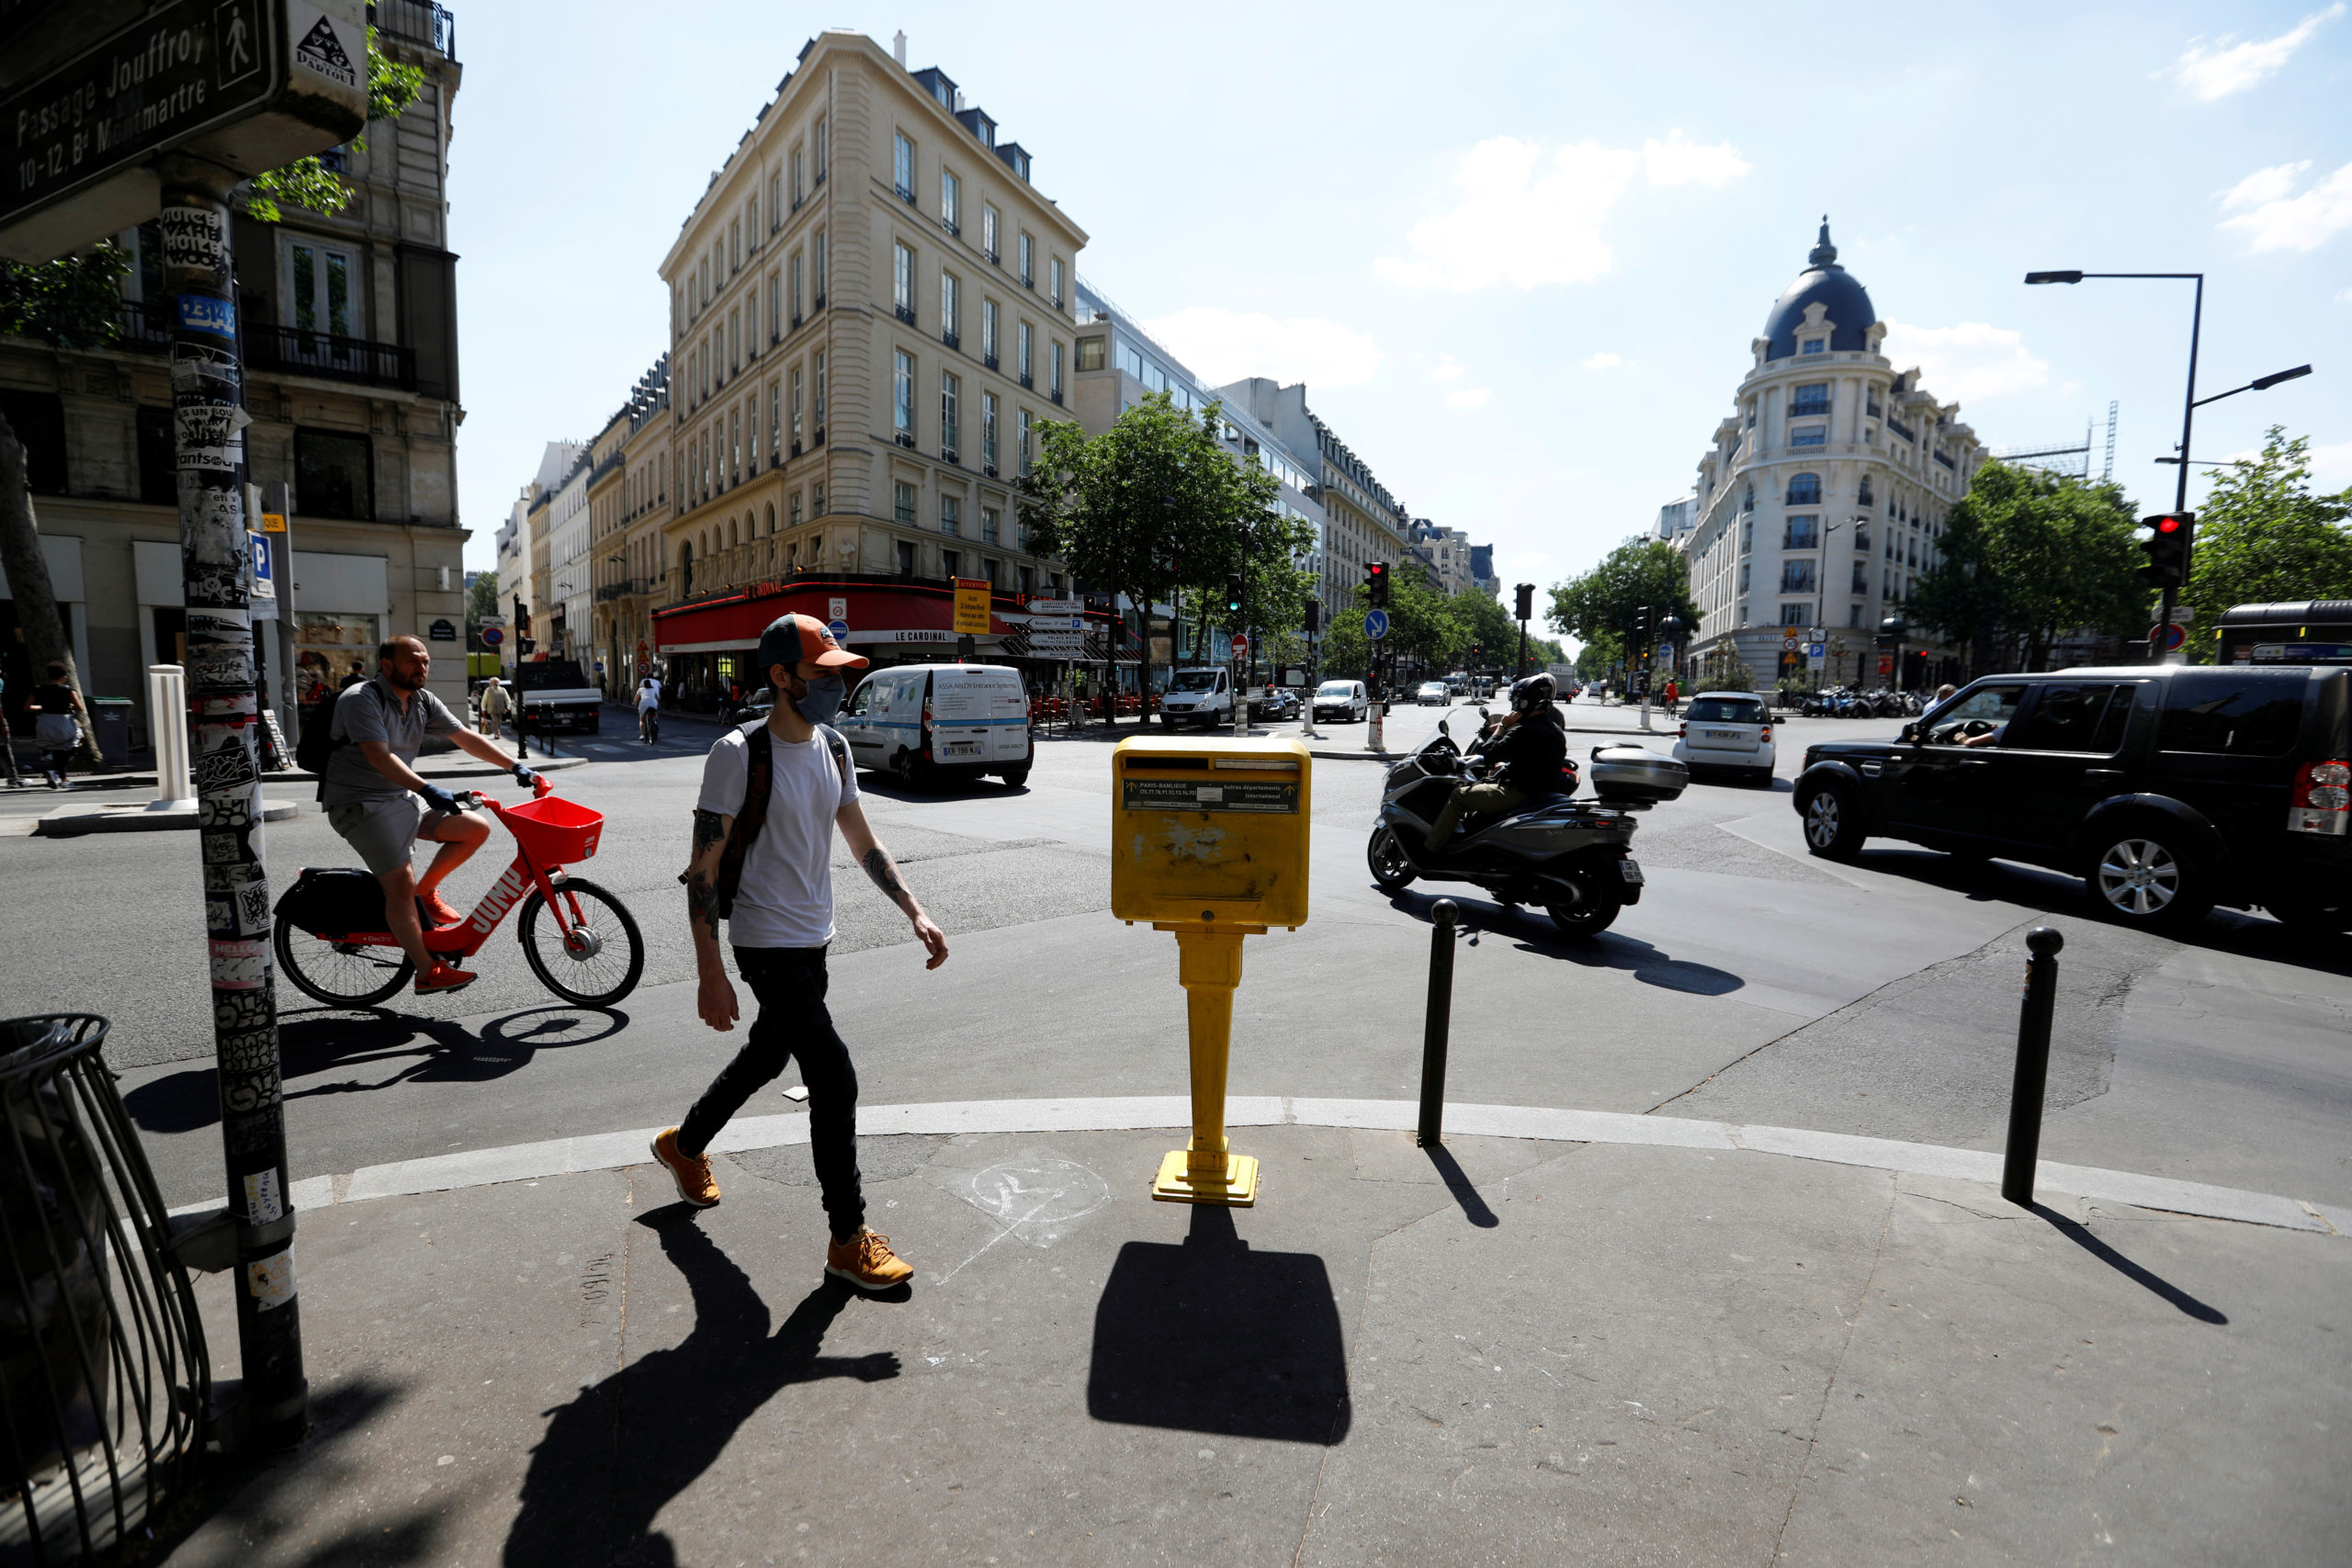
(384, 828)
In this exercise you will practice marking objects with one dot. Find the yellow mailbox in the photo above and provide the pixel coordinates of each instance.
(1209, 839)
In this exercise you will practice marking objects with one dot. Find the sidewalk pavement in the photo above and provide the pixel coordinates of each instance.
(1507, 1350)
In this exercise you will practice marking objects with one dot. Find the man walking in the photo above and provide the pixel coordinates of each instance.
(369, 788)
(493, 706)
(772, 794)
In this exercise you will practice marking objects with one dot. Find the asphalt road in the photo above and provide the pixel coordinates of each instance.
(1752, 985)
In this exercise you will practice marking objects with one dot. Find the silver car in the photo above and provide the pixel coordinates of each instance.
(1731, 730)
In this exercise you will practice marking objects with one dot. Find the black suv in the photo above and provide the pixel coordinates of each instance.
(2170, 789)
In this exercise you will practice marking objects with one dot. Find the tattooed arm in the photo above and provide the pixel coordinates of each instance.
(859, 835)
(714, 997)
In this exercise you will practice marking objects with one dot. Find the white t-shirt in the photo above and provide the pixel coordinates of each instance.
(786, 898)
(649, 692)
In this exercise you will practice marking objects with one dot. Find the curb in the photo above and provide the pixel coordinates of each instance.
(77, 821)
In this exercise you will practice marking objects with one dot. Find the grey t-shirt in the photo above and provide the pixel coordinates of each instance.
(786, 897)
(371, 711)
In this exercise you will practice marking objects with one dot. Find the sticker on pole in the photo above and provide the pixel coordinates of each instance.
(322, 45)
(202, 313)
(1375, 623)
(270, 1281)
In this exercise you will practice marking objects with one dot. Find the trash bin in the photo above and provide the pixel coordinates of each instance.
(111, 720)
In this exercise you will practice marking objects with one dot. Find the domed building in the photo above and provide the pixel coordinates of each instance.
(1823, 494)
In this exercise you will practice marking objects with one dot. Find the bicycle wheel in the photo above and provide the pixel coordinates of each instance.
(340, 973)
(599, 961)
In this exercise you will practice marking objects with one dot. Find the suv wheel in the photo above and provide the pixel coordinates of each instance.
(2142, 878)
(1833, 829)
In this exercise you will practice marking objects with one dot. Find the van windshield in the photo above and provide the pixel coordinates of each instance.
(1194, 681)
(1336, 689)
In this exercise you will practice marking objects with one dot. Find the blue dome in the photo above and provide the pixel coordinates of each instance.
(1846, 305)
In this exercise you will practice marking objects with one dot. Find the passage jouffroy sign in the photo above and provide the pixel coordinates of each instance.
(251, 84)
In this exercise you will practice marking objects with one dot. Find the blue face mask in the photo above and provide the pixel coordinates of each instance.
(823, 699)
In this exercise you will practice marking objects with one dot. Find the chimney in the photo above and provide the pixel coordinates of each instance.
(959, 100)
(899, 48)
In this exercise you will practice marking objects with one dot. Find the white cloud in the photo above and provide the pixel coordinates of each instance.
(1527, 219)
(2332, 466)
(1969, 362)
(1468, 397)
(1226, 345)
(2217, 69)
(2281, 222)
(1447, 370)
(2262, 186)
(1604, 361)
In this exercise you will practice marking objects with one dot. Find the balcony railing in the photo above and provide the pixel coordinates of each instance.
(1813, 409)
(1945, 458)
(418, 21)
(907, 314)
(626, 588)
(950, 340)
(1900, 428)
(291, 350)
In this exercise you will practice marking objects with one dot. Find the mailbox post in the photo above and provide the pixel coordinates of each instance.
(1209, 840)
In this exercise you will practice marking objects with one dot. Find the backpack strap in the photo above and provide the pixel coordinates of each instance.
(839, 747)
(759, 775)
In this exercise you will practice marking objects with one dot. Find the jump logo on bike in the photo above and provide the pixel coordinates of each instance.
(494, 904)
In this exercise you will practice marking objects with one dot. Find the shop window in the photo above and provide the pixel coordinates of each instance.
(334, 475)
(329, 647)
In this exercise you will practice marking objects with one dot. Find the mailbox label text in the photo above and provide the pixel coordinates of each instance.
(1227, 795)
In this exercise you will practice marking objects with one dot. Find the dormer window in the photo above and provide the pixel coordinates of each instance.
(1814, 346)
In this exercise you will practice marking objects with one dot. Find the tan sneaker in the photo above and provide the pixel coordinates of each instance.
(692, 1172)
(867, 1261)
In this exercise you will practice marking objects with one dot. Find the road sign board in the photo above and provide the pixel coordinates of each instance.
(1054, 607)
(2171, 643)
(837, 607)
(251, 84)
(492, 636)
(265, 574)
(839, 628)
(1240, 646)
(1815, 649)
(1375, 623)
(971, 606)
(1788, 645)
(442, 631)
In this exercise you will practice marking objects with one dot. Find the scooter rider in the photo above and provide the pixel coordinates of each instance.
(1524, 755)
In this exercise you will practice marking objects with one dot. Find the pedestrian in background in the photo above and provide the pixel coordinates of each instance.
(58, 729)
(492, 708)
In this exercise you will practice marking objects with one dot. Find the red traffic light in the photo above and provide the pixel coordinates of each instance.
(2167, 525)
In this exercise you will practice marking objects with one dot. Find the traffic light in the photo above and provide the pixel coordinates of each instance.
(1233, 593)
(1375, 578)
(1642, 626)
(1314, 617)
(1526, 601)
(2169, 537)
(522, 617)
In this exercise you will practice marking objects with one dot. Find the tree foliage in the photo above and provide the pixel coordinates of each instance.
(2027, 556)
(2264, 538)
(1430, 628)
(1601, 606)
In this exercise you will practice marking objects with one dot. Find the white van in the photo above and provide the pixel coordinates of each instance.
(922, 722)
(1197, 697)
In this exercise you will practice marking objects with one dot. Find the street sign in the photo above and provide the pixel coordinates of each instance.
(1240, 646)
(1886, 664)
(1054, 607)
(837, 609)
(1788, 645)
(1375, 623)
(971, 607)
(442, 631)
(2171, 643)
(1815, 649)
(839, 628)
(250, 85)
(265, 574)
(492, 637)
(273, 523)
(643, 651)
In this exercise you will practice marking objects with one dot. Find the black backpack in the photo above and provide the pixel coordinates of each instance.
(317, 743)
(335, 903)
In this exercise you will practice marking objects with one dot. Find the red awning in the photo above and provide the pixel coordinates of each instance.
(892, 614)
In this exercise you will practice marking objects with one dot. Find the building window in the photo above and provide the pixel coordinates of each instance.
(950, 316)
(1796, 577)
(816, 407)
(1054, 371)
(1054, 283)
(1814, 346)
(1089, 354)
(824, 162)
(988, 233)
(1028, 578)
(817, 269)
(988, 331)
(1809, 435)
(951, 200)
(951, 517)
(906, 558)
(1022, 345)
(987, 432)
(902, 397)
(1861, 585)
(903, 162)
(334, 475)
(1796, 614)
(1811, 397)
(734, 248)
(1864, 496)
(991, 521)
(1805, 490)
(817, 499)
(797, 436)
(794, 268)
(775, 418)
(1804, 534)
(951, 563)
(1744, 566)
(951, 389)
(1024, 423)
(799, 187)
(1028, 268)
(902, 281)
(902, 501)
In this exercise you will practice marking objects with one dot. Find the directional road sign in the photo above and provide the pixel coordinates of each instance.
(1375, 623)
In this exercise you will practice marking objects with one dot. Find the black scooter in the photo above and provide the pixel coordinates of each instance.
(1574, 858)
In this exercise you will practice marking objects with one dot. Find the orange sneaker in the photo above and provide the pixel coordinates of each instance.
(867, 1261)
(437, 910)
(692, 1172)
(442, 978)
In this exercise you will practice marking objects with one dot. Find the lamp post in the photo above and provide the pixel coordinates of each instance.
(2190, 402)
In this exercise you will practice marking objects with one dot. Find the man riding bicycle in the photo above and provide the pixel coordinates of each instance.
(370, 788)
(648, 710)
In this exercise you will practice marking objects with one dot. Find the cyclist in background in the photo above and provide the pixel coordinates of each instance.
(648, 710)
(370, 788)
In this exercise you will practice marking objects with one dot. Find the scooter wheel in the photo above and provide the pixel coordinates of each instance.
(1391, 871)
(1593, 913)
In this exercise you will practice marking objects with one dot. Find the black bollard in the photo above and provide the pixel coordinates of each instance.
(2033, 1065)
(1441, 1015)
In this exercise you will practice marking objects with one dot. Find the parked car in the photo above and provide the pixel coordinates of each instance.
(1433, 692)
(1279, 702)
(1342, 701)
(926, 723)
(2168, 789)
(1730, 730)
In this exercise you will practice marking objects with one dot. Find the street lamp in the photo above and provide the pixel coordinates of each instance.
(2190, 402)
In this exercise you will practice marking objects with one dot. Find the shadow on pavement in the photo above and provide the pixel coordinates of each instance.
(2081, 1236)
(1212, 1336)
(1458, 1182)
(586, 1500)
(1533, 932)
(315, 1041)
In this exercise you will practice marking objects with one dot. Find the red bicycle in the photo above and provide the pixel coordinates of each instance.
(579, 938)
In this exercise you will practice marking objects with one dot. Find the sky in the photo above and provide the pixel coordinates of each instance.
(1518, 255)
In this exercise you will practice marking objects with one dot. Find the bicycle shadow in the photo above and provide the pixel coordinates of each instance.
(315, 1041)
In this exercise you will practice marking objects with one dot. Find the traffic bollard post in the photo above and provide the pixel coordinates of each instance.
(2033, 1065)
(1441, 1014)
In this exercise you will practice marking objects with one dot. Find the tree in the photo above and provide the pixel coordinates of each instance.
(2026, 555)
(1605, 603)
(1154, 505)
(70, 303)
(2264, 538)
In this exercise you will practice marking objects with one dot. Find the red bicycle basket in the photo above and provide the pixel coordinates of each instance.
(553, 830)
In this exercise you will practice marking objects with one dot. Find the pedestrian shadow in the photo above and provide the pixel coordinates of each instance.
(317, 1041)
(613, 1457)
(1532, 930)
(2081, 1236)
(1213, 1337)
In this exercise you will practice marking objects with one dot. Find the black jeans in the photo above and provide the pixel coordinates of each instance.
(792, 1021)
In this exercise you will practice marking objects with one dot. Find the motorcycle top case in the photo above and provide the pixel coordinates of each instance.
(1630, 774)
(331, 903)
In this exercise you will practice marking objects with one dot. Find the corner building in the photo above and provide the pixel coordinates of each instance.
(872, 308)
(1823, 497)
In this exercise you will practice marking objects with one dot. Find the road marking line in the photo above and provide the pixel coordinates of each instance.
(613, 1151)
